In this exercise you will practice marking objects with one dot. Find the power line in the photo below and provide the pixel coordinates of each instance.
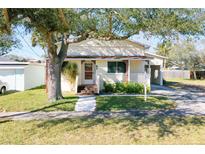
(28, 43)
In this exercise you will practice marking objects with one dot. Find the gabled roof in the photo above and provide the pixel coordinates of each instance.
(8, 61)
(94, 48)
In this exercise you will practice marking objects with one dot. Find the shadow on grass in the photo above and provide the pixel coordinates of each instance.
(15, 91)
(132, 102)
(164, 123)
(9, 92)
(66, 104)
(179, 85)
(38, 87)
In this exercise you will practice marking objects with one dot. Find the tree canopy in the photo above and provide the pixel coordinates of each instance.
(55, 29)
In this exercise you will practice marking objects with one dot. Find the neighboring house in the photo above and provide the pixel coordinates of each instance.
(112, 61)
(20, 76)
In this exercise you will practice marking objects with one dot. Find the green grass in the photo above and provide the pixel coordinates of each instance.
(139, 130)
(35, 100)
(176, 83)
(114, 103)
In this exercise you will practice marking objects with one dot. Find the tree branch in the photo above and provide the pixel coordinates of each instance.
(63, 18)
(5, 14)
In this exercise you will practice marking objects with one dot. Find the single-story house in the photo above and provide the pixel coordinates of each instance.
(20, 76)
(102, 61)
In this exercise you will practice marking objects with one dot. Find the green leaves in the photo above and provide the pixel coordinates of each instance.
(105, 23)
(6, 42)
(185, 55)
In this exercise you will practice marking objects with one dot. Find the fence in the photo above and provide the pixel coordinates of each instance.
(199, 75)
(184, 74)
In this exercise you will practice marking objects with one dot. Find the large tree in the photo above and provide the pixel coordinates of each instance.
(51, 26)
(184, 54)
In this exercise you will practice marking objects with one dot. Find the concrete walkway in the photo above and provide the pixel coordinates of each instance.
(86, 104)
(6, 116)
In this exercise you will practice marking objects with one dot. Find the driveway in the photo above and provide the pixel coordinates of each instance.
(189, 99)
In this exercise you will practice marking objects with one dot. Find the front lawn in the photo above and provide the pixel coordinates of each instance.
(114, 103)
(35, 100)
(177, 83)
(138, 130)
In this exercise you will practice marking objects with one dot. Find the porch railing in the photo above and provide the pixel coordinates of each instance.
(98, 83)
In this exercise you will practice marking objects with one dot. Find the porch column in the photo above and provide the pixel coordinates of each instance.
(129, 70)
(149, 72)
(161, 75)
(149, 68)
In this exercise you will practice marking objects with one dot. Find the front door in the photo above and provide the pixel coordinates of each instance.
(88, 73)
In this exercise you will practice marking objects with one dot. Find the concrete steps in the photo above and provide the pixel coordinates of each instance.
(87, 89)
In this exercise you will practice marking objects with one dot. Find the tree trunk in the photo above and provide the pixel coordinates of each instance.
(54, 66)
(53, 83)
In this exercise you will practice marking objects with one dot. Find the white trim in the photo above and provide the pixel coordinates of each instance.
(111, 59)
(15, 63)
(93, 73)
(155, 55)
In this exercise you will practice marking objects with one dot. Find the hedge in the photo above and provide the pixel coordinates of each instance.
(125, 87)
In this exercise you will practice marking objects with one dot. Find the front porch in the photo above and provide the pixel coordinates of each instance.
(92, 73)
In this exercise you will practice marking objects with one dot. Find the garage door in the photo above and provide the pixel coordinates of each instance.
(9, 77)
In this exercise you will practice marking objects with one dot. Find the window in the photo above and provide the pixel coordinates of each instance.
(116, 67)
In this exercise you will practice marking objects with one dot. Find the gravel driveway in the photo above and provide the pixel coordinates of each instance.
(189, 99)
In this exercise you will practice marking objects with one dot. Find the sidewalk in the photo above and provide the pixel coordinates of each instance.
(99, 114)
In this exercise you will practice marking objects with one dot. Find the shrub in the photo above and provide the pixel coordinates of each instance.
(125, 87)
(120, 87)
(109, 87)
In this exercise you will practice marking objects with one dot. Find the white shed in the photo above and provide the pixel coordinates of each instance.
(21, 75)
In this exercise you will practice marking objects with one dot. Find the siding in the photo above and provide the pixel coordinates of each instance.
(137, 66)
(34, 75)
(14, 78)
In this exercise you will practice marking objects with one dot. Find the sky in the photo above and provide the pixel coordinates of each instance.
(27, 51)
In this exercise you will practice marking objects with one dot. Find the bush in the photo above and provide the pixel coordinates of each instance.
(109, 87)
(119, 87)
(125, 87)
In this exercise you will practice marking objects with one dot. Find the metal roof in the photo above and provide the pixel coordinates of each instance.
(103, 48)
